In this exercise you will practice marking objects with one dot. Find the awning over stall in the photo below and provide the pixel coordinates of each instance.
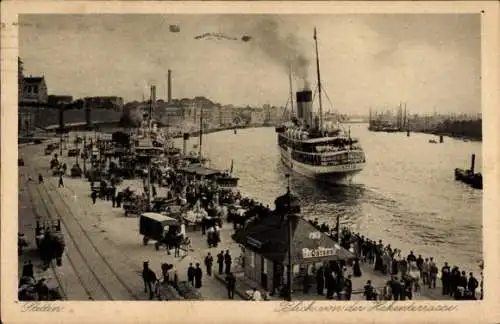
(268, 236)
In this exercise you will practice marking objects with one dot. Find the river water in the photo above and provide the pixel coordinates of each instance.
(405, 196)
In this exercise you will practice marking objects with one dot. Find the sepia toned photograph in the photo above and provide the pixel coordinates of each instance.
(252, 157)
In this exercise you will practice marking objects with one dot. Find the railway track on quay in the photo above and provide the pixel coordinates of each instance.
(60, 285)
(94, 273)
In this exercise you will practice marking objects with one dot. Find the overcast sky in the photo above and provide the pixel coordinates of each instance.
(430, 61)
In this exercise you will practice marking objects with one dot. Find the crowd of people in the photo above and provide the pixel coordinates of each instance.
(32, 289)
(407, 274)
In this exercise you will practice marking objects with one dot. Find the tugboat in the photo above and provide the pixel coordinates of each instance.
(475, 180)
(309, 148)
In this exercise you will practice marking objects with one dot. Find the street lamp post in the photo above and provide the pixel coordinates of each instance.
(289, 223)
(61, 143)
(84, 154)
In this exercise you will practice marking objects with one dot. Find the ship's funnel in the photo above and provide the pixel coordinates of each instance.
(304, 107)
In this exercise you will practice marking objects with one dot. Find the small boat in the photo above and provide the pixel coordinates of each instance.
(432, 141)
(227, 181)
(475, 180)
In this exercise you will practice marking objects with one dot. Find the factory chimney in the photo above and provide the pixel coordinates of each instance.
(169, 90)
(304, 107)
(152, 103)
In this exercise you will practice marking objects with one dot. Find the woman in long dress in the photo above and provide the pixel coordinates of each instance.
(356, 269)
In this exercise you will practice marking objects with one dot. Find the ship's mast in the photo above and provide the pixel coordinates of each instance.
(201, 129)
(319, 82)
(291, 90)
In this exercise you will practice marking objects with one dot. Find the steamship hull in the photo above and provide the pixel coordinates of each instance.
(328, 174)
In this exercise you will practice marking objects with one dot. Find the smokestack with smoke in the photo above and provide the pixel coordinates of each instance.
(285, 51)
(304, 107)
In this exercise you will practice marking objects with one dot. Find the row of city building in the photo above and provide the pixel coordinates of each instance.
(33, 96)
(33, 91)
(191, 111)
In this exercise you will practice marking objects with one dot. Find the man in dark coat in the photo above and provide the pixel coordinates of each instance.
(93, 195)
(119, 198)
(330, 283)
(411, 257)
(190, 274)
(348, 287)
(197, 276)
(220, 261)
(408, 288)
(472, 285)
(113, 195)
(445, 278)
(28, 270)
(454, 280)
(231, 285)
(227, 261)
(395, 288)
(463, 280)
(320, 281)
(369, 291)
(209, 260)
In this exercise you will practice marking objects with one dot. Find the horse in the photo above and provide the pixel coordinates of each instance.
(149, 278)
(51, 247)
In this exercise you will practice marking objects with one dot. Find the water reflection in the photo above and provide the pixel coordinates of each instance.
(319, 199)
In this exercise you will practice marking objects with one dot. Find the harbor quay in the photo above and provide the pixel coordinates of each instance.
(117, 237)
(105, 254)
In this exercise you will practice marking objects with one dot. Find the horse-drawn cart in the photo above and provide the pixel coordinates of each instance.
(163, 229)
(50, 241)
(135, 205)
(74, 152)
(76, 171)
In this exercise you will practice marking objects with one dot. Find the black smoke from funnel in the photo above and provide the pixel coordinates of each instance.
(285, 51)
